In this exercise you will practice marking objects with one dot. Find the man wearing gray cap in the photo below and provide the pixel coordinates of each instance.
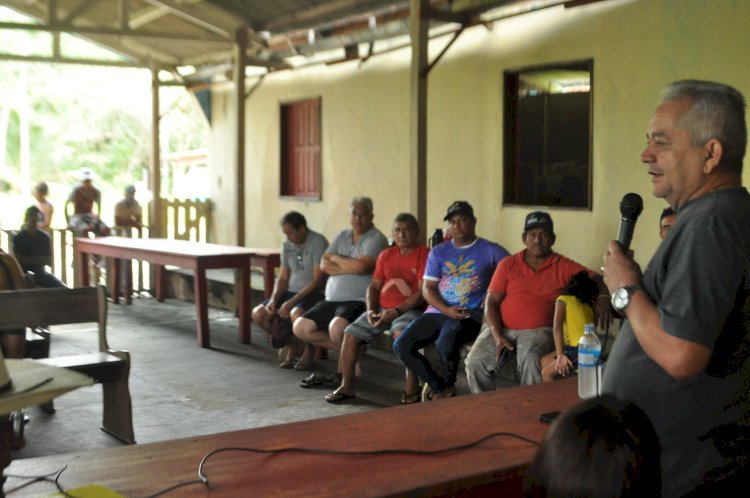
(520, 307)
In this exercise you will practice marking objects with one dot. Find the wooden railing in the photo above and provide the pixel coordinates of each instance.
(184, 220)
(187, 219)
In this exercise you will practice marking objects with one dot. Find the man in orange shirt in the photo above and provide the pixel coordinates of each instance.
(520, 306)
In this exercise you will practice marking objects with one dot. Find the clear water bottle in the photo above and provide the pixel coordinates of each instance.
(589, 353)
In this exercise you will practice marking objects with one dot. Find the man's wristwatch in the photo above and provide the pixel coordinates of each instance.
(621, 297)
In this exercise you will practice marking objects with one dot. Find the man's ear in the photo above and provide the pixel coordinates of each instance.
(713, 150)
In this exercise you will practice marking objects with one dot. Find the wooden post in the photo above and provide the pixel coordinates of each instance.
(240, 61)
(155, 215)
(418, 111)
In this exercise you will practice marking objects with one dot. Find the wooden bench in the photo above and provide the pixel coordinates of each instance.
(39, 308)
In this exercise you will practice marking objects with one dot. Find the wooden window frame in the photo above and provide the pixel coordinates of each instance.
(300, 149)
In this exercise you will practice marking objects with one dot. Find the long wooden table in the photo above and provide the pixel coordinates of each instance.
(494, 467)
(195, 256)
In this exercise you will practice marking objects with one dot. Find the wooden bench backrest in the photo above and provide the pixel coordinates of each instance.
(43, 307)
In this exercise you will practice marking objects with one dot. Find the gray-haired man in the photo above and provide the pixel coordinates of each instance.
(349, 262)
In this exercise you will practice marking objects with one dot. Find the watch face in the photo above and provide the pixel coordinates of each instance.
(620, 298)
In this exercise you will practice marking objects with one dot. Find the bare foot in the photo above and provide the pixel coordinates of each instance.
(447, 393)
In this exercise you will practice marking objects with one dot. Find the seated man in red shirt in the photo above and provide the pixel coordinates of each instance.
(394, 299)
(520, 307)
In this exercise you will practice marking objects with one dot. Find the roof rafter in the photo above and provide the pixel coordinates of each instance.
(81, 9)
(105, 30)
(187, 13)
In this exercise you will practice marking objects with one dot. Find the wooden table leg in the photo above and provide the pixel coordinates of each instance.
(82, 277)
(201, 307)
(114, 282)
(243, 302)
(161, 277)
(128, 281)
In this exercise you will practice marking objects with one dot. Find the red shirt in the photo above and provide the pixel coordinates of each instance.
(400, 274)
(530, 295)
(83, 199)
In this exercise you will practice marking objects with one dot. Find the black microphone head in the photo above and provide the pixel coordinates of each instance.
(631, 206)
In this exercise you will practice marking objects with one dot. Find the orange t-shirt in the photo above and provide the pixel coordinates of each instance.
(530, 295)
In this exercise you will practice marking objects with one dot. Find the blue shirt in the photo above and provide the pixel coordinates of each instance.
(463, 273)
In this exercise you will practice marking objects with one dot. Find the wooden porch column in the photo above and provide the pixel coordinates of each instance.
(418, 112)
(240, 61)
(155, 215)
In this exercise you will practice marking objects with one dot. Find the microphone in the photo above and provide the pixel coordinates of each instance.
(630, 208)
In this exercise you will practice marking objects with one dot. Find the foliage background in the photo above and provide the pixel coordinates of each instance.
(81, 116)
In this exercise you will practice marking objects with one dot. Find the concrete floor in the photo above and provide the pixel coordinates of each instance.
(180, 390)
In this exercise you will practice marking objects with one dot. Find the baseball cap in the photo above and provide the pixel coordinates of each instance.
(459, 207)
(539, 219)
(86, 174)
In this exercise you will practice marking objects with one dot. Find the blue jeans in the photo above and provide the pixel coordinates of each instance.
(447, 334)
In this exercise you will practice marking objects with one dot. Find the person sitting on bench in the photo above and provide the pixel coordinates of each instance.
(394, 299)
(83, 198)
(33, 249)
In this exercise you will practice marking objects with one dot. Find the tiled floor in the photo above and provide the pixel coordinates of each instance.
(179, 389)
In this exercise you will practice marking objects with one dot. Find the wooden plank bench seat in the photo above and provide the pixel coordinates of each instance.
(40, 308)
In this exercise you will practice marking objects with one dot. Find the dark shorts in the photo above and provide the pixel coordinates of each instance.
(325, 311)
(308, 302)
(572, 353)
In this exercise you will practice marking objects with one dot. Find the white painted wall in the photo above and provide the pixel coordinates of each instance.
(638, 46)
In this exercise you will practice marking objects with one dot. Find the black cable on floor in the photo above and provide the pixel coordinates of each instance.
(321, 451)
(202, 479)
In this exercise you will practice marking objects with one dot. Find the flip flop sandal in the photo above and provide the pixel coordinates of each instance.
(287, 364)
(302, 367)
(411, 398)
(426, 393)
(338, 397)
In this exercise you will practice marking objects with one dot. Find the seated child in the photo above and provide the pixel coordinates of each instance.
(573, 309)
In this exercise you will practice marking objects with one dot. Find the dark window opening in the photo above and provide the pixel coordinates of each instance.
(548, 135)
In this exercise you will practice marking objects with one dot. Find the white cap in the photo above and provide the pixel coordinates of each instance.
(86, 174)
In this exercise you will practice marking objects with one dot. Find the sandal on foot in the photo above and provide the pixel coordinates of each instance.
(302, 367)
(313, 380)
(411, 398)
(287, 364)
(316, 380)
(337, 396)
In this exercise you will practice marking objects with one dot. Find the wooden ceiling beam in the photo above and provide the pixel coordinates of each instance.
(80, 9)
(189, 14)
(104, 30)
(67, 60)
